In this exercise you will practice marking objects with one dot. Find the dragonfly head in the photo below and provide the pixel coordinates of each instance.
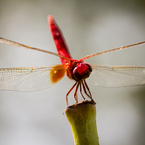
(82, 71)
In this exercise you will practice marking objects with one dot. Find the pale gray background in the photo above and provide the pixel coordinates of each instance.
(89, 26)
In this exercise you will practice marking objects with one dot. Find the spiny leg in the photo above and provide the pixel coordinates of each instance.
(84, 88)
(81, 90)
(75, 94)
(69, 92)
(88, 89)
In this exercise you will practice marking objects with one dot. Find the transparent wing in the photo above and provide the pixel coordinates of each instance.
(116, 76)
(30, 79)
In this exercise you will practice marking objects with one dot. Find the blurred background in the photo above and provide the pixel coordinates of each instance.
(89, 26)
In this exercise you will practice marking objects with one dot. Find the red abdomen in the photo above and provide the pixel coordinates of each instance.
(59, 40)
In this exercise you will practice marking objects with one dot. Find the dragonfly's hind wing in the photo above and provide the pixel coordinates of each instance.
(116, 76)
(30, 79)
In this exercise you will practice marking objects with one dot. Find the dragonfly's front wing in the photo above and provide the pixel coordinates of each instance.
(30, 79)
(116, 76)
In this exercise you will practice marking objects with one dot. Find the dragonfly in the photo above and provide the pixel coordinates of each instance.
(37, 78)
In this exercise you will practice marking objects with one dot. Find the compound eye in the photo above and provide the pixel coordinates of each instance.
(76, 74)
(90, 68)
(82, 71)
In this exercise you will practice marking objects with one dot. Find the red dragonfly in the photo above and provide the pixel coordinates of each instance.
(36, 78)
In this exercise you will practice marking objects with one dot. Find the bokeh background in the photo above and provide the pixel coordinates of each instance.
(89, 26)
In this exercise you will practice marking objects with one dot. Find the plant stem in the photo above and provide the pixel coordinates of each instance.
(82, 118)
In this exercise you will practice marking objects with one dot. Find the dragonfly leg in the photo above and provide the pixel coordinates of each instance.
(75, 94)
(86, 88)
(89, 91)
(81, 84)
(69, 92)
(81, 91)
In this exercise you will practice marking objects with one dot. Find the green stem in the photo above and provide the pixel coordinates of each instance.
(82, 118)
